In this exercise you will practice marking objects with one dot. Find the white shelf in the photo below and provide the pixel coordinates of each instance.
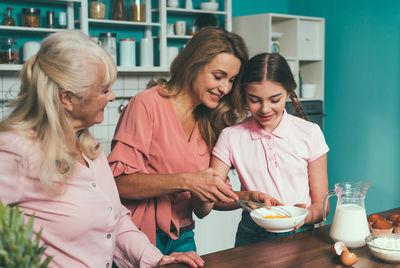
(123, 23)
(195, 11)
(10, 67)
(140, 69)
(28, 29)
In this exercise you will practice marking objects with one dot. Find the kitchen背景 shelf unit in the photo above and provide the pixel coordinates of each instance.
(300, 40)
(154, 26)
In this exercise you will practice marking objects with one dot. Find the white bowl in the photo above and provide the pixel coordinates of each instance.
(280, 225)
(212, 6)
(385, 246)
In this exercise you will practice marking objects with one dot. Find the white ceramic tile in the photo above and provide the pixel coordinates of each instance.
(131, 81)
(100, 132)
(10, 86)
(119, 83)
(114, 116)
(143, 80)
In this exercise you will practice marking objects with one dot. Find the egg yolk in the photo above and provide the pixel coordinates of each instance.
(277, 216)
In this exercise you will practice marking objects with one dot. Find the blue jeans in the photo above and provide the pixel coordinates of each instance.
(249, 232)
(184, 243)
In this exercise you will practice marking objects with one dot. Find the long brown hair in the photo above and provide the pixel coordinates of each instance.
(203, 47)
(272, 67)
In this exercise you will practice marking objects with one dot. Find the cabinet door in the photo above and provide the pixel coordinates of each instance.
(310, 40)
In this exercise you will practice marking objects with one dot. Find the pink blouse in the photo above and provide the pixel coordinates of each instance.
(149, 139)
(275, 163)
(85, 225)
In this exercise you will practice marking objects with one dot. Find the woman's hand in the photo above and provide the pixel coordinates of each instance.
(261, 197)
(208, 186)
(191, 258)
(306, 219)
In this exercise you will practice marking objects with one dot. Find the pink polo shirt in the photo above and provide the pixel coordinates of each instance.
(149, 139)
(274, 163)
(85, 225)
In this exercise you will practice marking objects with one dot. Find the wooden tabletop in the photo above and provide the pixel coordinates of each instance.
(306, 249)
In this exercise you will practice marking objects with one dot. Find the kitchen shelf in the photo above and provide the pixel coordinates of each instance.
(103, 22)
(10, 67)
(139, 69)
(28, 29)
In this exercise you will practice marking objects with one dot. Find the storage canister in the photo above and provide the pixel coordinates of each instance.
(62, 20)
(50, 17)
(127, 52)
(138, 8)
(109, 42)
(146, 52)
(97, 9)
(31, 17)
(9, 51)
(30, 49)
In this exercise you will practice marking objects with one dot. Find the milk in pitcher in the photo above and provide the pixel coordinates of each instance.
(350, 225)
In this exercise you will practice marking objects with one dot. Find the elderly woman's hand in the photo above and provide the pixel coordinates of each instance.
(208, 186)
(191, 258)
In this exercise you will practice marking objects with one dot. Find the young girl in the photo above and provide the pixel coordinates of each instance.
(280, 158)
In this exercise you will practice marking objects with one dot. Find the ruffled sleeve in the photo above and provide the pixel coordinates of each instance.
(131, 142)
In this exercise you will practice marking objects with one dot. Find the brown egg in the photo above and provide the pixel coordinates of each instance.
(338, 248)
(348, 258)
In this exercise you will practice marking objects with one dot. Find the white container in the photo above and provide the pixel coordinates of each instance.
(189, 4)
(308, 91)
(146, 52)
(127, 52)
(173, 3)
(30, 49)
(109, 42)
(172, 52)
(180, 27)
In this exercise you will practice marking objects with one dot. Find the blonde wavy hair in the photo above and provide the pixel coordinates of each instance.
(203, 47)
(66, 60)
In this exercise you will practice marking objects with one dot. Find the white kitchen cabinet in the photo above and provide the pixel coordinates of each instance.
(301, 41)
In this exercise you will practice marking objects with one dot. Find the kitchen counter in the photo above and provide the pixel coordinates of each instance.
(306, 249)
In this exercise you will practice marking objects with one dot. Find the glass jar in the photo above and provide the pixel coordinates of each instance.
(31, 17)
(119, 10)
(109, 42)
(97, 9)
(50, 18)
(62, 20)
(9, 51)
(8, 19)
(137, 10)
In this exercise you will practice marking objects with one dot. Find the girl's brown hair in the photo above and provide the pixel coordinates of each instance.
(272, 67)
(203, 47)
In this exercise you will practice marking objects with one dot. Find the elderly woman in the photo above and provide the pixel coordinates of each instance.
(52, 166)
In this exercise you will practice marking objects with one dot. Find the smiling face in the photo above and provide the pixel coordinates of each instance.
(89, 111)
(215, 79)
(266, 102)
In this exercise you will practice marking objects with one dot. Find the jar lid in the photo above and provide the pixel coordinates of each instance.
(127, 39)
(34, 11)
(8, 41)
(108, 35)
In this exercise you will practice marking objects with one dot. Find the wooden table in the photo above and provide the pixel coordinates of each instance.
(309, 249)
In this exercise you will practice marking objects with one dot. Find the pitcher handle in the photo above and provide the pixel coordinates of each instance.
(325, 204)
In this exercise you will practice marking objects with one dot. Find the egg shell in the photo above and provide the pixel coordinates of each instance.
(348, 258)
(338, 248)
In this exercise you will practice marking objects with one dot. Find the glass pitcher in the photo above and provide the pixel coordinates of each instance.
(350, 223)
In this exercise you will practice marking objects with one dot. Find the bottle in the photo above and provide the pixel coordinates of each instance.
(50, 19)
(119, 10)
(62, 20)
(8, 19)
(109, 42)
(9, 51)
(137, 10)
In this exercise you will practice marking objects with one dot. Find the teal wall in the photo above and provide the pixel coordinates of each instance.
(362, 89)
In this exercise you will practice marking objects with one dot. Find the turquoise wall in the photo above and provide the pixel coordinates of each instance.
(362, 89)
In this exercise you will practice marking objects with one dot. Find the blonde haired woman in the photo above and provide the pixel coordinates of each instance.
(162, 144)
(54, 168)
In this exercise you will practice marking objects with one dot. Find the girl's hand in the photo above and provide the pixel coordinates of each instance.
(261, 197)
(306, 219)
(208, 186)
(191, 258)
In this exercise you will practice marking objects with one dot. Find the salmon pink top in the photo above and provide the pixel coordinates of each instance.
(84, 225)
(275, 163)
(149, 139)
